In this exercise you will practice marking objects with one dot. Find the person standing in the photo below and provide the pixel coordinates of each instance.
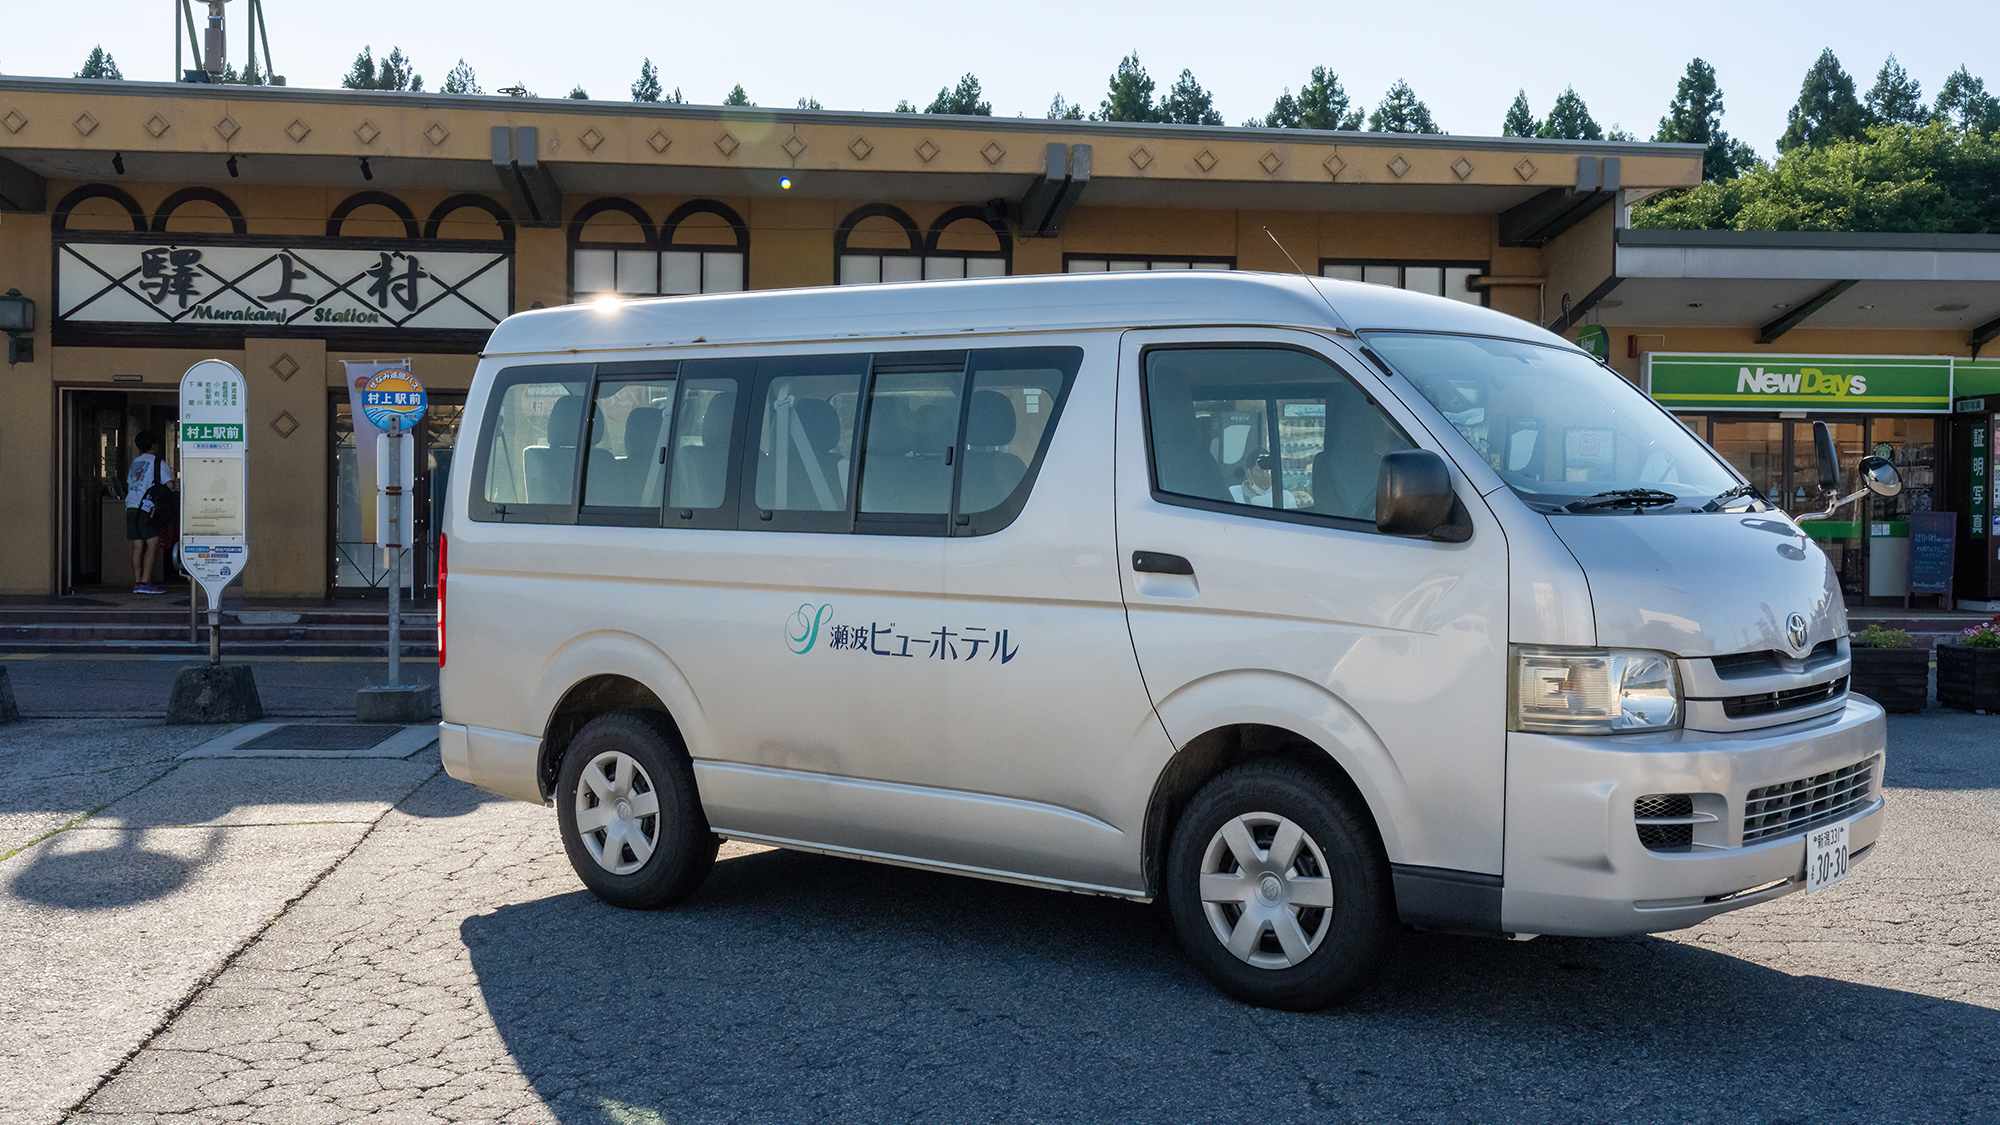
(147, 469)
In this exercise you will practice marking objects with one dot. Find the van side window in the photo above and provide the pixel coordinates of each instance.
(525, 470)
(907, 461)
(1273, 429)
(1017, 394)
(625, 464)
(804, 455)
(704, 443)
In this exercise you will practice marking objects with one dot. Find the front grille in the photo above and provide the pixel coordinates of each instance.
(1743, 665)
(1795, 806)
(1772, 702)
(1677, 809)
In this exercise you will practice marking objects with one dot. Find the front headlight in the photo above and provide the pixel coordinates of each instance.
(1592, 690)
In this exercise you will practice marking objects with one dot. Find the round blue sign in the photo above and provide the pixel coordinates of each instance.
(394, 400)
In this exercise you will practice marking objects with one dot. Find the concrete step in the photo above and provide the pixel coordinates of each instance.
(152, 628)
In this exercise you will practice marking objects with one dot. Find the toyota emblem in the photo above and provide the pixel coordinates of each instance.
(1795, 633)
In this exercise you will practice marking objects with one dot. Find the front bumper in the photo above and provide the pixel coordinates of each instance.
(1574, 860)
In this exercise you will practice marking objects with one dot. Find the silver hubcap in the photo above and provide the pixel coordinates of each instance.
(1266, 890)
(617, 813)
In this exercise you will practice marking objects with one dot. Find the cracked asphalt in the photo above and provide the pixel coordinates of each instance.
(369, 940)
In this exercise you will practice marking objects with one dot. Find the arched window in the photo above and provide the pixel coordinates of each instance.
(99, 207)
(470, 216)
(881, 243)
(703, 247)
(198, 210)
(372, 214)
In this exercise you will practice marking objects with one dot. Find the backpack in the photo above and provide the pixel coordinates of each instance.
(164, 505)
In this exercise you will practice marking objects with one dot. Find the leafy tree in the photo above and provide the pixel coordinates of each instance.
(1131, 94)
(1618, 133)
(810, 103)
(1921, 179)
(1963, 102)
(647, 88)
(963, 100)
(461, 80)
(1188, 104)
(1827, 109)
(392, 73)
(1060, 110)
(674, 98)
(1896, 98)
(100, 65)
(251, 76)
(906, 107)
(738, 97)
(1695, 117)
(1569, 119)
(1402, 111)
(1520, 120)
(576, 94)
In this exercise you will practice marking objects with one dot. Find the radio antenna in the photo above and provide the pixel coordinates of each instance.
(1285, 252)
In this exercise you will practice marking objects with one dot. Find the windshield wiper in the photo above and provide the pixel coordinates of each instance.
(1623, 498)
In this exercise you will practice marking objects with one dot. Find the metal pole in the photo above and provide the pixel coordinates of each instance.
(394, 498)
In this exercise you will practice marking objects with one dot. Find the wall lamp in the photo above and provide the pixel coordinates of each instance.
(118, 163)
(17, 315)
(232, 167)
(367, 173)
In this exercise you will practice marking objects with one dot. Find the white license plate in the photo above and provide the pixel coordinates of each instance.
(1826, 857)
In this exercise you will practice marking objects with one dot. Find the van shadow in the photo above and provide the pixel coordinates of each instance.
(802, 988)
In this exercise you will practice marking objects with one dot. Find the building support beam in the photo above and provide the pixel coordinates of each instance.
(1793, 318)
(1049, 200)
(1984, 334)
(530, 185)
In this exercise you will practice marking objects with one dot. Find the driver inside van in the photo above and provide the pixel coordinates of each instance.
(1256, 487)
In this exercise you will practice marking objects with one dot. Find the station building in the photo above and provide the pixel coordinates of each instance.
(291, 232)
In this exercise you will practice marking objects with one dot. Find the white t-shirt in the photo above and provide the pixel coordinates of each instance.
(140, 478)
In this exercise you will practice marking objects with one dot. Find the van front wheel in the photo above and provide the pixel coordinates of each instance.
(631, 821)
(1277, 888)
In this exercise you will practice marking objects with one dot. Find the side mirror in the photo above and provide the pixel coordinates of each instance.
(1829, 458)
(1880, 477)
(1413, 495)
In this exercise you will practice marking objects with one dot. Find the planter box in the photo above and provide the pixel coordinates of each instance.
(1897, 678)
(1969, 678)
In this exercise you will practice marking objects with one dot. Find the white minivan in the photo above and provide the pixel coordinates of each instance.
(1306, 606)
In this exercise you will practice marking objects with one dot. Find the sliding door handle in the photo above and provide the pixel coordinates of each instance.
(1157, 562)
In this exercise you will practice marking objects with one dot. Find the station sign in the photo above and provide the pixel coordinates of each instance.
(214, 543)
(394, 400)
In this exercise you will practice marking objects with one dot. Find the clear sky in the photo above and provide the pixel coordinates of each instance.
(1464, 59)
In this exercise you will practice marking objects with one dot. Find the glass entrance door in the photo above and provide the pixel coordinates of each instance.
(98, 428)
(1777, 456)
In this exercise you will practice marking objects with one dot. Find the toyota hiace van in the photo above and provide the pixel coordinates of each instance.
(1306, 606)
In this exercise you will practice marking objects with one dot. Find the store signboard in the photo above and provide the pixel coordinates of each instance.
(1976, 378)
(1876, 384)
(1980, 468)
(326, 290)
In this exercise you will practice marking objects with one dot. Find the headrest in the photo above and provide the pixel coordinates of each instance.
(642, 430)
(821, 423)
(992, 419)
(718, 420)
(565, 418)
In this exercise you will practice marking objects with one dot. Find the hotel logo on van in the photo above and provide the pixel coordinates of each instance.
(810, 624)
(1688, 381)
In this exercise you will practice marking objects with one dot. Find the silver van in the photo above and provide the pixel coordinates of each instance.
(1306, 606)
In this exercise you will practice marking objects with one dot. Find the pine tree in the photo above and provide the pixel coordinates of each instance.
(674, 98)
(1060, 110)
(576, 94)
(647, 88)
(738, 97)
(461, 80)
(361, 76)
(1323, 103)
(1520, 120)
(906, 107)
(392, 73)
(100, 65)
(1827, 109)
(1402, 111)
(1964, 103)
(1569, 119)
(963, 100)
(1695, 117)
(810, 103)
(1896, 98)
(1188, 104)
(1131, 95)
(1284, 114)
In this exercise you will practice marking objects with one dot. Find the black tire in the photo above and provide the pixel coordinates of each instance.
(637, 837)
(1310, 925)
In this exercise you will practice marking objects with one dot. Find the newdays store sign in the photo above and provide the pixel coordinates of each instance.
(1880, 384)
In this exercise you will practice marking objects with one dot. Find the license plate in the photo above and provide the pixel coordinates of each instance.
(1826, 857)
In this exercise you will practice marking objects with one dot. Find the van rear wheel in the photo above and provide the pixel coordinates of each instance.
(1277, 888)
(631, 820)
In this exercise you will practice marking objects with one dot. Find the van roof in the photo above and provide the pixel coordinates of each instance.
(1038, 303)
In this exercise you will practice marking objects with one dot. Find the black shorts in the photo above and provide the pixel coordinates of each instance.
(139, 524)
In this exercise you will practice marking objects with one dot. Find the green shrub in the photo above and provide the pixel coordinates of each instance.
(1876, 636)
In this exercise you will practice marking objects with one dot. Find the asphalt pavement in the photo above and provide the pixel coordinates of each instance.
(330, 939)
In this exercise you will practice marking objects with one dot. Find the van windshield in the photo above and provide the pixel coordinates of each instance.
(1564, 433)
